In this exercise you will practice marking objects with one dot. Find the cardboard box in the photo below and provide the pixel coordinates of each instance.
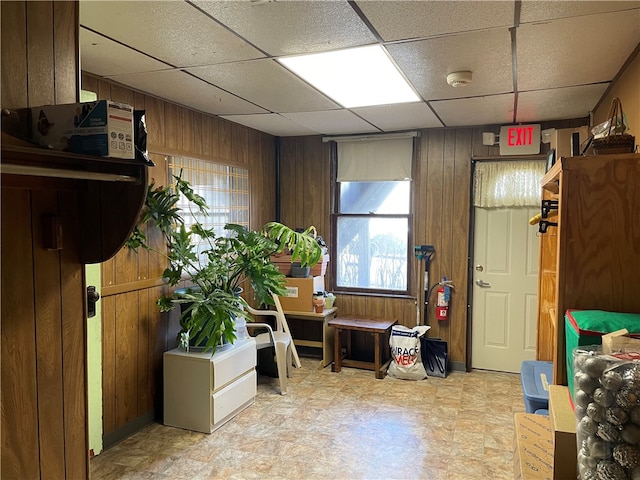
(300, 291)
(563, 427)
(533, 456)
(102, 128)
(620, 341)
(283, 262)
(561, 139)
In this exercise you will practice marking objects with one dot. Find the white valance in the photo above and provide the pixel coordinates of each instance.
(375, 160)
(507, 183)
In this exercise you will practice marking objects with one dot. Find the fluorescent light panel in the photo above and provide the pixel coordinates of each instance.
(355, 77)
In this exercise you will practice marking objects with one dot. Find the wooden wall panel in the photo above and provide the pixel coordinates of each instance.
(239, 144)
(460, 239)
(20, 436)
(441, 218)
(74, 342)
(209, 134)
(135, 333)
(49, 343)
(173, 127)
(41, 86)
(109, 346)
(188, 131)
(154, 110)
(142, 351)
(66, 51)
(126, 370)
(224, 139)
(14, 55)
(44, 407)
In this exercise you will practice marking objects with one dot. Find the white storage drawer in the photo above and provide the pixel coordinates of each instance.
(232, 363)
(202, 392)
(234, 397)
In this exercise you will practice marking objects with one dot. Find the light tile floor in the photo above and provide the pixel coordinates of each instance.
(345, 425)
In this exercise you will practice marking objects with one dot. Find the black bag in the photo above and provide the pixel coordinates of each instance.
(434, 356)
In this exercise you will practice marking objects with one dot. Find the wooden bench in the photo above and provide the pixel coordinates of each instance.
(379, 327)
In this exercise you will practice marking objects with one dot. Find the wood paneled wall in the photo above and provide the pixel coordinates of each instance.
(441, 218)
(43, 338)
(135, 334)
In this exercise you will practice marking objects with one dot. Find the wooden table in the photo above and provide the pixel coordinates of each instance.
(326, 342)
(379, 327)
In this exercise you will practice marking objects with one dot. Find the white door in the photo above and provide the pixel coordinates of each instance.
(505, 285)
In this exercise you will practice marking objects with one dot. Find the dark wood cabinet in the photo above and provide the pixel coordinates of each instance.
(59, 211)
(110, 193)
(591, 258)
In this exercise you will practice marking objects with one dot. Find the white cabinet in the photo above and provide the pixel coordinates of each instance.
(202, 392)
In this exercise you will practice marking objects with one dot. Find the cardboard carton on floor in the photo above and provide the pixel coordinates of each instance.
(533, 456)
(563, 427)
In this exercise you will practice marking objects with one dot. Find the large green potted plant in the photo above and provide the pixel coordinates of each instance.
(215, 267)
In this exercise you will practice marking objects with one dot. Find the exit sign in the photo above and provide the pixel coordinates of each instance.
(520, 140)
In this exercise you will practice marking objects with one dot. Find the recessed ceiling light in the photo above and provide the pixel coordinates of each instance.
(355, 77)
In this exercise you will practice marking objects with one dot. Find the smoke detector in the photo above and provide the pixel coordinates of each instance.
(459, 79)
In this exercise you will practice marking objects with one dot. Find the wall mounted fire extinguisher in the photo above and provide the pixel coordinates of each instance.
(442, 302)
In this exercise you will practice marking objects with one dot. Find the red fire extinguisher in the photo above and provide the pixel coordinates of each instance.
(442, 303)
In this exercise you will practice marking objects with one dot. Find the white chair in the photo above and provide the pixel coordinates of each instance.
(274, 337)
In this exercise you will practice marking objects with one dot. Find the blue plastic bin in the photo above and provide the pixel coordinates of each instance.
(536, 376)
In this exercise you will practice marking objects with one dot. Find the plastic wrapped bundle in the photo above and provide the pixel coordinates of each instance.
(607, 409)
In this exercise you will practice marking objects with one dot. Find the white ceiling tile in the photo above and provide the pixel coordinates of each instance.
(575, 47)
(487, 55)
(396, 20)
(266, 83)
(493, 110)
(575, 51)
(104, 57)
(559, 104)
(332, 122)
(286, 28)
(537, 10)
(271, 123)
(173, 32)
(184, 89)
(389, 118)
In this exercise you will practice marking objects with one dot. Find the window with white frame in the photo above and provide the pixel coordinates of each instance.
(373, 214)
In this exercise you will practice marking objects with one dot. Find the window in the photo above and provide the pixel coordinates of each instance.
(372, 235)
(373, 215)
(224, 187)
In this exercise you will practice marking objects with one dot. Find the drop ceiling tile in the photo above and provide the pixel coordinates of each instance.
(184, 89)
(173, 32)
(104, 57)
(265, 83)
(559, 103)
(286, 28)
(404, 116)
(537, 10)
(271, 123)
(575, 51)
(487, 55)
(397, 20)
(332, 122)
(493, 110)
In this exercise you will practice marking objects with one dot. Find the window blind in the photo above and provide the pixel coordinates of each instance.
(375, 160)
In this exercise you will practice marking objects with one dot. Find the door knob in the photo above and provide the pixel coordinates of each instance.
(482, 284)
(92, 297)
